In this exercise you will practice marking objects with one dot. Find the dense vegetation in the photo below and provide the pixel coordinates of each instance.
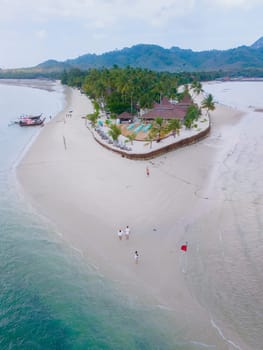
(123, 89)
(241, 59)
(174, 60)
(128, 89)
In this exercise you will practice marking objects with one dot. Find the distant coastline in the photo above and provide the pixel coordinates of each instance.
(225, 79)
(38, 83)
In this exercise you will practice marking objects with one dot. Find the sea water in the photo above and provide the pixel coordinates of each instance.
(49, 297)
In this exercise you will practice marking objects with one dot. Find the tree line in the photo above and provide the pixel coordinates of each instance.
(128, 89)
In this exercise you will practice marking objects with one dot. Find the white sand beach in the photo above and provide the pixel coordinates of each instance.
(89, 193)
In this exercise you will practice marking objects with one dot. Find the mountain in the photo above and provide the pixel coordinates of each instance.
(258, 44)
(157, 58)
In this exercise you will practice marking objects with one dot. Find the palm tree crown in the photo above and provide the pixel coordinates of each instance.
(114, 132)
(208, 103)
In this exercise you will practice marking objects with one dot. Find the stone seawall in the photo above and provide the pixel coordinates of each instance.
(155, 153)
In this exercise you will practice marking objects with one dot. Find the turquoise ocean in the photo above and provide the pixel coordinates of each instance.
(50, 298)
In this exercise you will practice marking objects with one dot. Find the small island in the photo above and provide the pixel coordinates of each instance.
(141, 114)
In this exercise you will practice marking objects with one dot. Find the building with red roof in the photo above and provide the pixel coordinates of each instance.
(167, 110)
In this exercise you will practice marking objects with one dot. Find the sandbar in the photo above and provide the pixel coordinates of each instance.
(89, 193)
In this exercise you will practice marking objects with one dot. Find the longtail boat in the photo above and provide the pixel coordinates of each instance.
(31, 122)
(29, 116)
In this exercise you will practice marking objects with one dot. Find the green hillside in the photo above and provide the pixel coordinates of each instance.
(157, 58)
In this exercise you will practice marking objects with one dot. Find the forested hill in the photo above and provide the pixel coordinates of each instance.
(157, 58)
(172, 60)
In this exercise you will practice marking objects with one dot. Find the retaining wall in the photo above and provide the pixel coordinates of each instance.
(155, 153)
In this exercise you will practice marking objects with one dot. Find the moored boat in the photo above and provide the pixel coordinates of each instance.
(24, 120)
(29, 116)
(31, 122)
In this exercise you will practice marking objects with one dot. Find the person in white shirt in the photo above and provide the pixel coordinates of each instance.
(120, 234)
(127, 232)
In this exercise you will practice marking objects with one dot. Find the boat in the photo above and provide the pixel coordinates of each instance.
(25, 120)
(29, 116)
(31, 122)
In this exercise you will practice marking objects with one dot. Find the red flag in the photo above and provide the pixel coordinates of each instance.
(184, 247)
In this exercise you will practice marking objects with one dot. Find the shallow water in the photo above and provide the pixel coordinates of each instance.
(225, 270)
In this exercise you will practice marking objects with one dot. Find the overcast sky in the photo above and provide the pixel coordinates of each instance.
(32, 31)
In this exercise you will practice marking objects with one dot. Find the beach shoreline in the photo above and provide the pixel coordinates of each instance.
(89, 192)
(41, 84)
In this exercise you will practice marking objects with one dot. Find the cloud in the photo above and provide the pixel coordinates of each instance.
(41, 34)
(96, 10)
(239, 4)
(154, 12)
(160, 13)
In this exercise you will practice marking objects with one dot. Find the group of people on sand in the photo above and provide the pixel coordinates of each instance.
(126, 233)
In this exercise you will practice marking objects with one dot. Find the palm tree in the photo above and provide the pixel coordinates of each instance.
(208, 103)
(92, 118)
(131, 137)
(114, 132)
(196, 86)
(174, 125)
(158, 125)
(192, 114)
(188, 122)
(96, 107)
(151, 136)
(108, 122)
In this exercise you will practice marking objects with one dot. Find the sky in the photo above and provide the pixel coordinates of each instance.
(33, 31)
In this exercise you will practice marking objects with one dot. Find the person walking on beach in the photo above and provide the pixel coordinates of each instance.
(127, 232)
(147, 171)
(120, 234)
(184, 247)
(136, 257)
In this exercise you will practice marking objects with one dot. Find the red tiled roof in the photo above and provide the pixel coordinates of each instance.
(168, 113)
(168, 110)
(165, 103)
(187, 99)
(125, 115)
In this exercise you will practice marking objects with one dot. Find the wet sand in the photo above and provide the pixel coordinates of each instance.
(89, 193)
